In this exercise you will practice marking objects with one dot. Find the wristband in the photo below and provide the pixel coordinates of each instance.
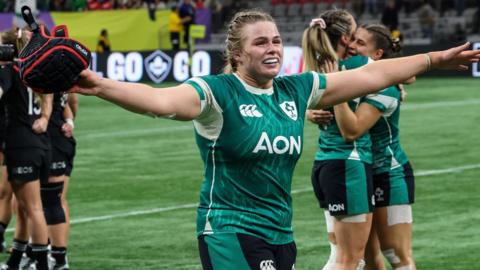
(428, 59)
(70, 122)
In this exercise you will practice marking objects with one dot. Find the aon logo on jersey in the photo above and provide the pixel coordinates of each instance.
(279, 145)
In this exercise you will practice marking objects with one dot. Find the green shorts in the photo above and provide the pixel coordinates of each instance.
(343, 187)
(236, 251)
(394, 187)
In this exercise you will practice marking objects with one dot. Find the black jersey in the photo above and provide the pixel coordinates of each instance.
(57, 120)
(22, 108)
(2, 124)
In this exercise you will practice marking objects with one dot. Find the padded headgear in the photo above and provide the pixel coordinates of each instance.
(51, 63)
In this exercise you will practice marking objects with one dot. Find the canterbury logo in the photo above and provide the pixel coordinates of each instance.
(249, 111)
(267, 265)
(81, 49)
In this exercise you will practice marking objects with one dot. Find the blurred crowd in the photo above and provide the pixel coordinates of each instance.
(375, 7)
(82, 5)
(409, 6)
(428, 12)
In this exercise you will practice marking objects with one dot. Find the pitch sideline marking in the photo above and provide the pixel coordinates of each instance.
(193, 205)
(127, 133)
(448, 170)
(429, 105)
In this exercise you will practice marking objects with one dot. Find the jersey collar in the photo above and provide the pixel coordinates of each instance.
(254, 90)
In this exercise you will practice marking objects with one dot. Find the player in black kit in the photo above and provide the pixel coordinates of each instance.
(60, 129)
(5, 187)
(27, 156)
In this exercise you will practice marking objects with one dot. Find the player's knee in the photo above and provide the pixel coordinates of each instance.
(5, 195)
(349, 257)
(355, 230)
(52, 203)
(351, 263)
(5, 191)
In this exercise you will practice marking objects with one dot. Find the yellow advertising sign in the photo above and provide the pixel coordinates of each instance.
(128, 30)
(197, 31)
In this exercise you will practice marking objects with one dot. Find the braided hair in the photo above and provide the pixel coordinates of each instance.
(381, 36)
(234, 42)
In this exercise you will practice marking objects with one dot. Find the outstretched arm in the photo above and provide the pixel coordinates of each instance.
(347, 85)
(180, 102)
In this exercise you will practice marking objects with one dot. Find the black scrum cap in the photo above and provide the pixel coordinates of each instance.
(51, 62)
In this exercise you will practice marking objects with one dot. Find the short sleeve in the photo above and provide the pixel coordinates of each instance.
(205, 93)
(208, 124)
(386, 100)
(319, 83)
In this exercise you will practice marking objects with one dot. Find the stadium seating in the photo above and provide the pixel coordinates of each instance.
(292, 17)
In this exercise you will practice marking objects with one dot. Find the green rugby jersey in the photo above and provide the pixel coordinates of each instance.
(250, 140)
(385, 134)
(331, 144)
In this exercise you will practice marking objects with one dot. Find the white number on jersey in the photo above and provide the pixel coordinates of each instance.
(33, 107)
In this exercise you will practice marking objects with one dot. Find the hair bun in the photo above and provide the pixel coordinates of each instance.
(396, 45)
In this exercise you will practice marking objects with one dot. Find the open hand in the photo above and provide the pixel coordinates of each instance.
(329, 67)
(457, 58)
(319, 117)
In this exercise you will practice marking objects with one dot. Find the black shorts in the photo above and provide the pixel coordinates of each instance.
(343, 187)
(62, 160)
(395, 187)
(236, 251)
(27, 164)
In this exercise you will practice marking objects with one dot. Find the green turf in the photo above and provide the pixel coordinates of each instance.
(127, 162)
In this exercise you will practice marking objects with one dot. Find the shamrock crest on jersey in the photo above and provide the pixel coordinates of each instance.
(250, 140)
(290, 109)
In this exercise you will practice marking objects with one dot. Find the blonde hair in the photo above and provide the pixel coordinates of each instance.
(234, 41)
(319, 44)
(18, 38)
(15, 37)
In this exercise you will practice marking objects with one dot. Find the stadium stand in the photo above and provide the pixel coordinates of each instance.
(453, 20)
(292, 17)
